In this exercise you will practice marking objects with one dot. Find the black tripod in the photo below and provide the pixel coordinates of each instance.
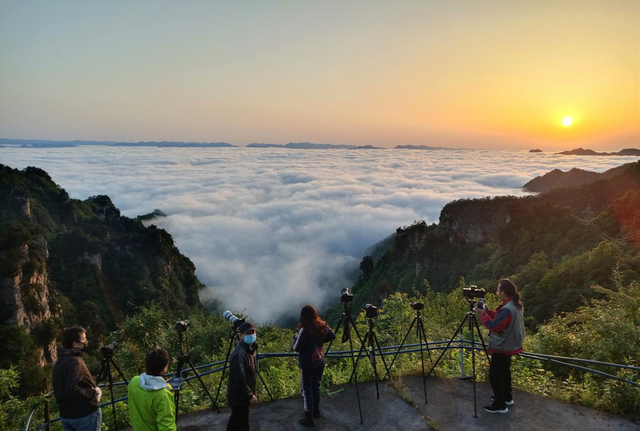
(177, 381)
(421, 336)
(105, 373)
(234, 337)
(346, 321)
(372, 339)
(473, 325)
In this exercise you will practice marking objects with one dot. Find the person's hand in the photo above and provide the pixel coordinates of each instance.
(253, 400)
(480, 311)
(98, 393)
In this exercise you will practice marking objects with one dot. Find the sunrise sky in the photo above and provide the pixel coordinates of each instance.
(476, 74)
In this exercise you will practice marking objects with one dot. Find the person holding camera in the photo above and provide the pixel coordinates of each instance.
(506, 335)
(312, 333)
(241, 387)
(151, 405)
(76, 392)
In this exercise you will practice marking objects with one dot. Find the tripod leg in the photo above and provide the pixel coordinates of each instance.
(363, 347)
(372, 360)
(375, 337)
(336, 332)
(484, 347)
(224, 368)
(113, 405)
(113, 362)
(176, 400)
(424, 381)
(424, 334)
(355, 378)
(473, 364)
(355, 328)
(193, 368)
(447, 347)
(265, 385)
(399, 348)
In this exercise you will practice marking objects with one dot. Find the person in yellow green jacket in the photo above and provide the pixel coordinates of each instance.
(151, 405)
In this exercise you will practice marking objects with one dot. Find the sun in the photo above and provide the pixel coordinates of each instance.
(567, 121)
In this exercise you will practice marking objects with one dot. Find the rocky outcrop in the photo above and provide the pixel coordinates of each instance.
(28, 295)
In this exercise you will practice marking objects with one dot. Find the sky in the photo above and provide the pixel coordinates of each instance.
(270, 230)
(475, 74)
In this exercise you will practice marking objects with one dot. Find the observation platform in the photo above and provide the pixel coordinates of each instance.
(401, 407)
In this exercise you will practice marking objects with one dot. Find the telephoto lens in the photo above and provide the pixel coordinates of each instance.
(235, 320)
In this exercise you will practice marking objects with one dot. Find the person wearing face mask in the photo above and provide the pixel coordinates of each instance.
(241, 387)
(76, 392)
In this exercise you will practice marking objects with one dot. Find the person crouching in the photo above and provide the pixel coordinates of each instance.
(313, 332)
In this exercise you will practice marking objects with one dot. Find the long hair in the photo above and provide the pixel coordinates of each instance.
(311, 322)
(510, 289)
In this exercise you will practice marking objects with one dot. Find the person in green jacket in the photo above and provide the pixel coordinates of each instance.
(151, 405)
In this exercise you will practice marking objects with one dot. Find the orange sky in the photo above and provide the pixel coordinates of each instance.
(487, 74)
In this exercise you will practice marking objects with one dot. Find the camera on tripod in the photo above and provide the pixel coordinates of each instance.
(182, 325)
(107, 351)
(235, 320)
(473, 292)
(346, 296)
(371, 311)
(417, 305)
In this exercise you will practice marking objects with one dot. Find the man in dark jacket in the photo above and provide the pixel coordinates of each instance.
(242, 379)
(75, 390)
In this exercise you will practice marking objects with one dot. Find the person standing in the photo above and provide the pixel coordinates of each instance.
(241, 387)
(151, 405)
(506, 335)
(76, 392)
(312, 333)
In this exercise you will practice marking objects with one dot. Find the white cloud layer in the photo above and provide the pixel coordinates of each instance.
(272, 229)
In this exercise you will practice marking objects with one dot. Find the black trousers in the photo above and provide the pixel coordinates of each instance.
(239, 419)
(500, 377)
(310, 380)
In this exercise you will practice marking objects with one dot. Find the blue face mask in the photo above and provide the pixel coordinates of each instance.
(250, 339)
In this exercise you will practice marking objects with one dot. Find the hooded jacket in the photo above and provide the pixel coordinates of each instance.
(309, 348)
(73, 385)
(242, 375)
(151, 405)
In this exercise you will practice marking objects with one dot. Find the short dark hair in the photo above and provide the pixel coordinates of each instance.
(72, 335)
(157, 359)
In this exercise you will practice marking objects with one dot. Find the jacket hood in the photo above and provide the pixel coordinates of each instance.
(152, 383)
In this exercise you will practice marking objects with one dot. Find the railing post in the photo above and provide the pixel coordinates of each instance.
(47, 412)
(461, 356)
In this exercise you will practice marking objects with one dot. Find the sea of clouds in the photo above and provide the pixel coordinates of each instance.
(272, 229)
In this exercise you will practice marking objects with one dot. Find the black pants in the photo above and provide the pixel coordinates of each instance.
(310, 379)
(500, 377)
(239, 419)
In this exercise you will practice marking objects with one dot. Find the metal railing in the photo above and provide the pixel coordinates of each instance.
(461, 345)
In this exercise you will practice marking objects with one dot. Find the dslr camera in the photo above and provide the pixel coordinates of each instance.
(473, 292)
(371, 311)
(346, 296)
(107, 351)
(235, 320)
(417, 305)
(182, 325)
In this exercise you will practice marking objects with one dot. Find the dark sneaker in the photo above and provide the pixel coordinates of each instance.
(317, 414)
(493, 408)
(307, 420)
(509, 403)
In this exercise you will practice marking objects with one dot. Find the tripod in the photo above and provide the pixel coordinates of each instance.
(371, 337)
(473, 324)
(105, 373)
(178, 379)
(347, 323)
(421, 335)
(234, 337)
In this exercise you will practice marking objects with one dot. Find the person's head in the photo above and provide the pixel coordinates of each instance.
(75, 338)
(157, 362)
(310, 320)
(248, 333)
(508, 290)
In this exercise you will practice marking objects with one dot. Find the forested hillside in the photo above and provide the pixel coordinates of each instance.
(65, 261)
(554, 245)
